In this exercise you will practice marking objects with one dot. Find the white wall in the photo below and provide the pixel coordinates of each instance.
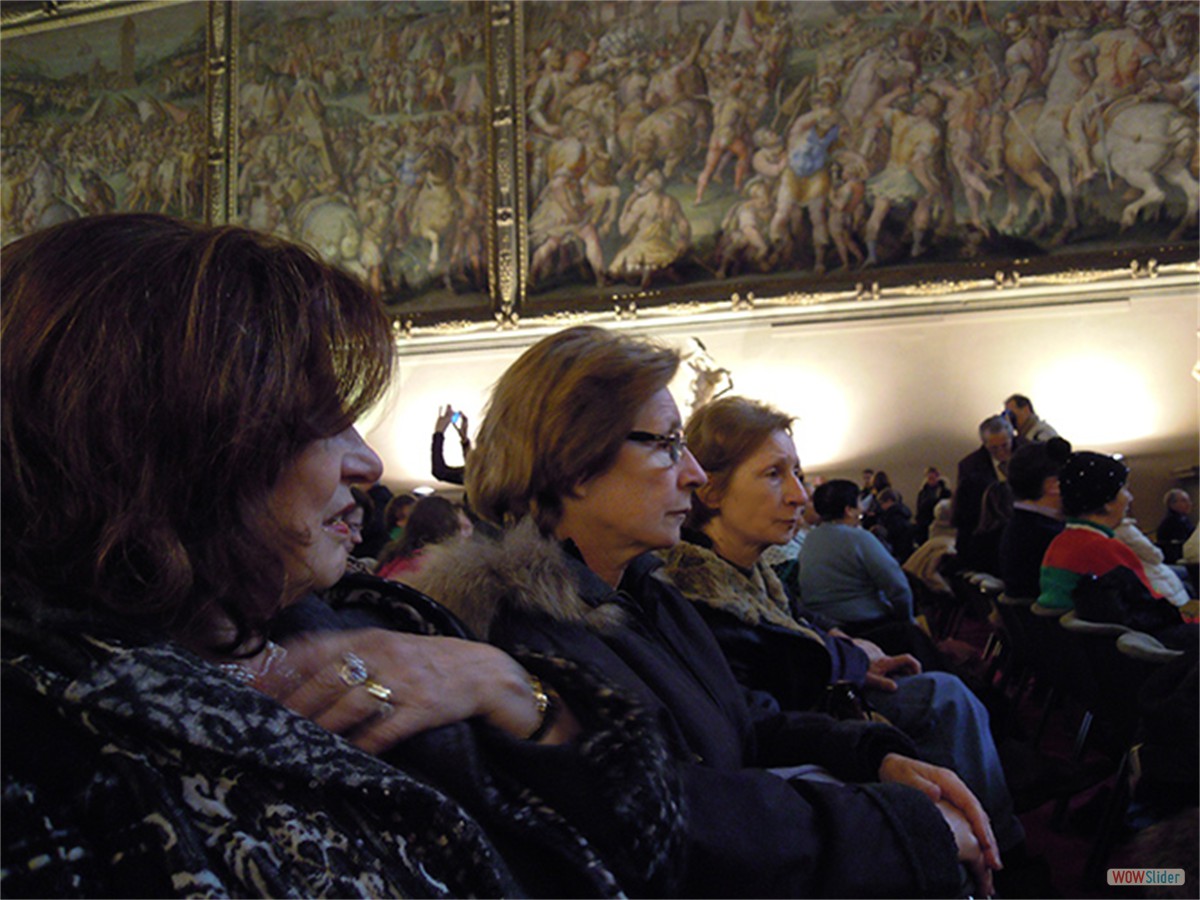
(897, 394)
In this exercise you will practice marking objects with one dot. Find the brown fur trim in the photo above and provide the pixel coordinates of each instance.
(705, 578)
(475, 577)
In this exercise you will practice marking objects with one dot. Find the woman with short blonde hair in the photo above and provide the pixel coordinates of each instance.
(558, 417)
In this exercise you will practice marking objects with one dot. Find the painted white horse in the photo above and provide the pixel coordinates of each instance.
(1149, 144)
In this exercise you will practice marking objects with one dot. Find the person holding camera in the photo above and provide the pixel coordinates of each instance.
(448, 416)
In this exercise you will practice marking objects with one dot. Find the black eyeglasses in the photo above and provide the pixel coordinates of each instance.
(674, 443)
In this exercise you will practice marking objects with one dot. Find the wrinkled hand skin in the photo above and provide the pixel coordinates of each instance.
(434, 681)
(964, 814)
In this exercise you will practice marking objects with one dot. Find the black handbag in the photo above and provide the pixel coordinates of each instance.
(1119, 597)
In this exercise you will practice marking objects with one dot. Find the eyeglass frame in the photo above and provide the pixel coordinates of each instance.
(675, 442)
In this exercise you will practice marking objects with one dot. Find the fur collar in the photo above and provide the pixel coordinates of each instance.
(477, 578)
(706, 579)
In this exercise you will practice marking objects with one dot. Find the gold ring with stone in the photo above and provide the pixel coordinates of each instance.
(353, 671)
(377, 690)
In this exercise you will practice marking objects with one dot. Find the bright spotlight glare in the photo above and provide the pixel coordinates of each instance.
(822, 411)
(1096, 401)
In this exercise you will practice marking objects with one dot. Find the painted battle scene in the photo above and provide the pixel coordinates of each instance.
(709, 144)
(362, 133)
(103, 116)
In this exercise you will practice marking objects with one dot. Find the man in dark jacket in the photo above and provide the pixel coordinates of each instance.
(932, 491)
(977, 470)
(1176, 526)
(896, 521)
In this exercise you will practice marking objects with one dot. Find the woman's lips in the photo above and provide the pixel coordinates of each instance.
(336, 524)
(337, 527)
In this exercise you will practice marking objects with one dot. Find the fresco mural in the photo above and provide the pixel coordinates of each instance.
(103, 115)
(697, 142)
(637, 154)
(362, 133)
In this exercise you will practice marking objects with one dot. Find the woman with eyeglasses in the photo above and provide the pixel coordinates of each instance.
(581, 460)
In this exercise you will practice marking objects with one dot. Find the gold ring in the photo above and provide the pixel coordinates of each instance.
(377, 690)
(353, 671)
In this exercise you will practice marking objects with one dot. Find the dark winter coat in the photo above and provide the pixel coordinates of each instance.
(750, 832)
(1023, 543)
(975, 473)
(770, 648)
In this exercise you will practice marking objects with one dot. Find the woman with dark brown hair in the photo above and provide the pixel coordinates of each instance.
(178, 451)
(581, 458)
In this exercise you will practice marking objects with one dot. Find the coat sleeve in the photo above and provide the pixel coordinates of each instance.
(749, 832)
(753, 834)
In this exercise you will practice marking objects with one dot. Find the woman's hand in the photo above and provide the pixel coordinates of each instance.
(445, 417)
(378, 687)
(961, 810)
(970, 853)
(882, 666)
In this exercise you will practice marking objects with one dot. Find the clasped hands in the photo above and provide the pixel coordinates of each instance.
(377, 687)
(961, 810)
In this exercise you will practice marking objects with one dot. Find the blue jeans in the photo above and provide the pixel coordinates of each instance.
(950, 727)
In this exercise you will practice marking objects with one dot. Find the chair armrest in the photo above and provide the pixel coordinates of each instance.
(1139, 645)
(1010, 600)
(1072, 622)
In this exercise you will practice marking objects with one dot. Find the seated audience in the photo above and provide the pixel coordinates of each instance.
(867, 492)
(1037, 516)
(978, 469)
(1030, 428)
(1190, 557)
(846, 573)
(983, 553)
(880, 482)
(1176, 525)
(1163, 578)
(926, 561)
(894, 523)
(433, 520)
(933, 491)
(183, 399)
(396, 513)
(374, 532)
(754, 497)
(356, 521)
(581, 457)
(1096, 500)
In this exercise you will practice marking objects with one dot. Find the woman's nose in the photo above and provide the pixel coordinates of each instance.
(691, 475)
(796, 493)
(361, 464)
